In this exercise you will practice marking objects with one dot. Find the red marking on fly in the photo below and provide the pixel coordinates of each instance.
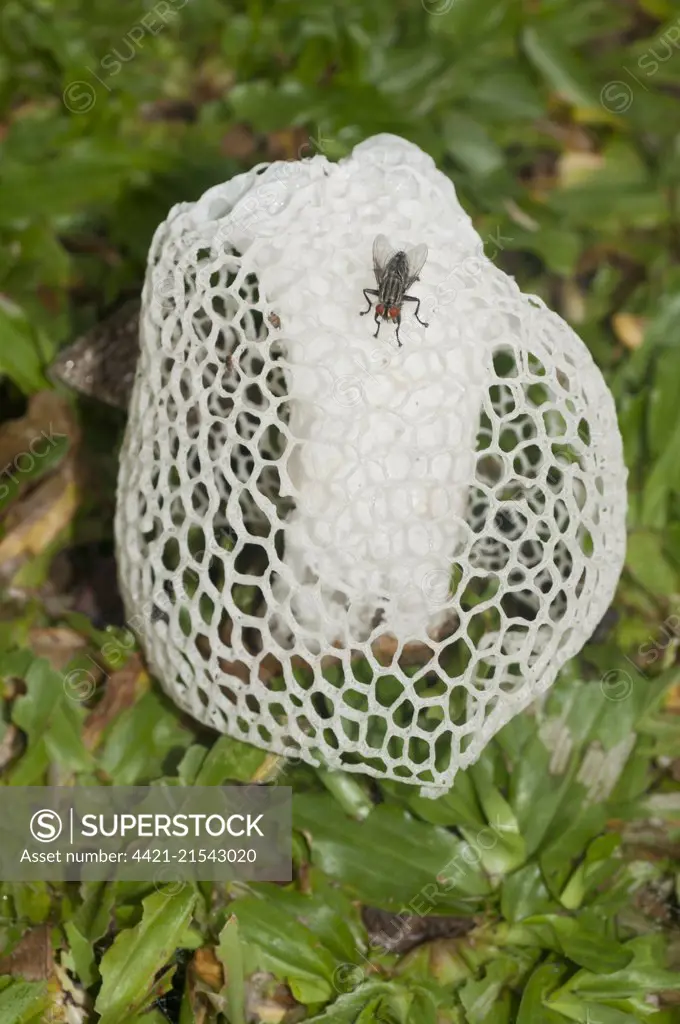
(395, 271)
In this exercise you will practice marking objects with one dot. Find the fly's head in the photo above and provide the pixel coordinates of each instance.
(388, 312)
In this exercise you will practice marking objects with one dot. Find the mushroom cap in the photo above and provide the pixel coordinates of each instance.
(371, 555)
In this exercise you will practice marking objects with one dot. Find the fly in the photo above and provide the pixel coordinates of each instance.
(395, 272)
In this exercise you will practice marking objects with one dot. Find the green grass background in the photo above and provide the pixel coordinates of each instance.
(559, 121)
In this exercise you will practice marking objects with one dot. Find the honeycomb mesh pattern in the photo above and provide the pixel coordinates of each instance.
(366, 556)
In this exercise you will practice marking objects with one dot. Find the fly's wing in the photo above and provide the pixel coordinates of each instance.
(102, 362)
(382, 254)
(415, 258)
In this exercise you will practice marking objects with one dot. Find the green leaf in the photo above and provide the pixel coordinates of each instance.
(64, 740)
(190, 765)
(89, 924)
(33, 710)
(229, 760)
(31, 900)
(140, 740)
(524, 894)
(645, 559)
(543, 981)
(588, 1013)
(642, 976)
(465, 18)
(270, 107)
(506, 93)
(481, 997)
(471, 145)
(348, 1007)
(21, 349)
(150, 1017)
(600, 863)
(323, 921)
(41, 713)
(20, 1001)
(503, 848)
(83, 173)
(94, 915)
(129, 967)
(659, 485)
(459, 806)
(83, 955)
(287, 948)
(557, 246)
(663, 405)
(230, 954)
(326, 910)
(390, 859)
(560, 67)
(349, 793)
(572, 937)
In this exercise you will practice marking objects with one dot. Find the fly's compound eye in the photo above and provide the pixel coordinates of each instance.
(393, 312)
(380, 309)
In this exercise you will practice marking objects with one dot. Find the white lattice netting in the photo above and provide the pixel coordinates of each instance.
(369, 556)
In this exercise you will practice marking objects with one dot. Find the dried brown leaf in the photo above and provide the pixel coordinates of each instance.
(239, 142)
(37, 519)
(629, 329)
(11, 744)
(58, 644)
(576, 167)
(48, 417)
(32, 959)
(207, 968)
(386, 646)
(122, 689)
(572, 137)
(270, 667)
(267, 1002)
(573, 302)
(235, 668)
(288, 144)
(269, 769)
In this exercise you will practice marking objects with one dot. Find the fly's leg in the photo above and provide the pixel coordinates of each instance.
(412, 298)
(378, 321)
(398, 326)
(367, 292)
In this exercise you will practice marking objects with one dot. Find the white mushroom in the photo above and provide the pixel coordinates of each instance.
(372, 554)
